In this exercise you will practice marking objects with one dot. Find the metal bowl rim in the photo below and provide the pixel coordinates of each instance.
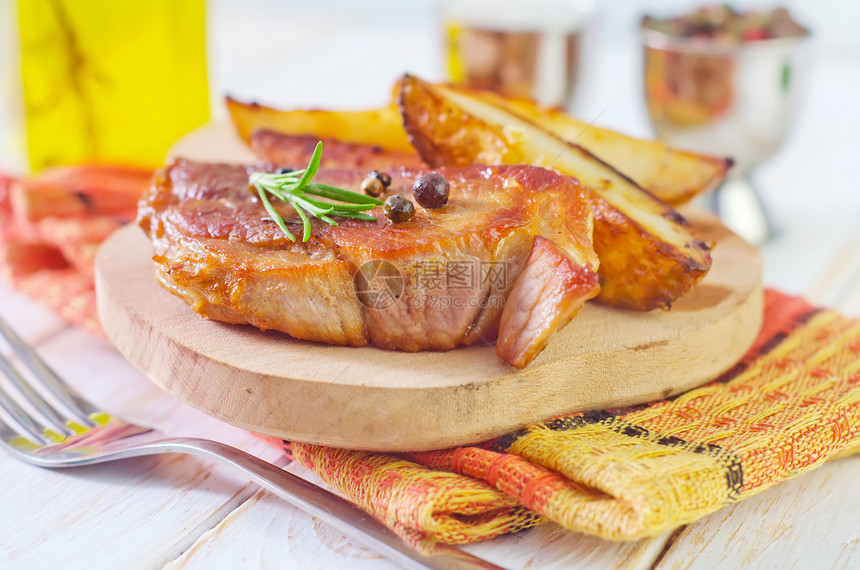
(661, 41)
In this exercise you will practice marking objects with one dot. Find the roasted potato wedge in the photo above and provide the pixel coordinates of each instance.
(382, 127)
(648, 255)
(674, 176)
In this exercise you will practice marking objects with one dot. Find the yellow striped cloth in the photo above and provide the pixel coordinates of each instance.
(792, 403)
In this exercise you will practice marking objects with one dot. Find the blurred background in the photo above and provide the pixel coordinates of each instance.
(348, 53)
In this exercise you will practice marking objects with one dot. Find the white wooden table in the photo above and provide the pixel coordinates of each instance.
(180, 512)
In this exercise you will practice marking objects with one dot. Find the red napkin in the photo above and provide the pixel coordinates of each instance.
(51, 225)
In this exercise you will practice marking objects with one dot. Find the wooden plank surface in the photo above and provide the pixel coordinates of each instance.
(265, 532)
(59, 518)
(807, 522)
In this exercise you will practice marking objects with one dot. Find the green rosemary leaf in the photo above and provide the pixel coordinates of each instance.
(313, 166)
(299, 201)
(289, 177)
(306, 234)
(356, 216)
(276, 217)
(293, 188)
(339, 207)
(335, 193)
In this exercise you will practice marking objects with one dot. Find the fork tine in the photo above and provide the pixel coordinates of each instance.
(48, 416)
(21, 418)
(65, 396)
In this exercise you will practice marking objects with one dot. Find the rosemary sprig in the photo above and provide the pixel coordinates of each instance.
(297, 186)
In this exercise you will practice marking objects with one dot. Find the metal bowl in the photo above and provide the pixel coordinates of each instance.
(521, 49)
(736, 100)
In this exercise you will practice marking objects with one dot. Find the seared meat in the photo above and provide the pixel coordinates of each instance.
(441, 280)
(279, 148)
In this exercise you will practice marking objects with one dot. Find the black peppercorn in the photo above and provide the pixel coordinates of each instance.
(398, 209)
(431, 190)
(382, 177)
(372, 186)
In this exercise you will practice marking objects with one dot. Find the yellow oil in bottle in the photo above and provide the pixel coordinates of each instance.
(109, 81)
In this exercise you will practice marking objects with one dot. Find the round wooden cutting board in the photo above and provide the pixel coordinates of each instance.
(370, 398)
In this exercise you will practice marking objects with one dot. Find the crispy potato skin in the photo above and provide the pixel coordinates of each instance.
(674, 176)
(630, 257)
(640, 268)
(642, 271)
(429, 119)
(381, 127)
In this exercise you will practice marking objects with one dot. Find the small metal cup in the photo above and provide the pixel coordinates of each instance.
(736, 100)
(528, 49)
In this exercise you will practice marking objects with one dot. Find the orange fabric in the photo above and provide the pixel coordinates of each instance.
(51, 225)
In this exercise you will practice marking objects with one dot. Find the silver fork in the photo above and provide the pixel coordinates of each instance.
(66, 430)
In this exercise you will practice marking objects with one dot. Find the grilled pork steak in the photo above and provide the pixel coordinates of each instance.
(279, 148)
(509, 256)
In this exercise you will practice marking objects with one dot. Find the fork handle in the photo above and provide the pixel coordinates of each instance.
(323, 504)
